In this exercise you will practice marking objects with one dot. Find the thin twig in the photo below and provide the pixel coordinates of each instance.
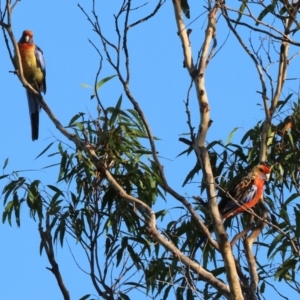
(158, 6)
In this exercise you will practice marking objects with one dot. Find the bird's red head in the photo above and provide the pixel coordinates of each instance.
(27, 37)
(264, 169)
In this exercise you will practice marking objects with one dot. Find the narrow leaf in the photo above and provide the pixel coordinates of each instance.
(75, 118)
(185, 8)
(85, 297)
(45, 150)
(101, 82)
(231, 136)
(269, 8)
(5, 164)
(115, 112)
(241, 11)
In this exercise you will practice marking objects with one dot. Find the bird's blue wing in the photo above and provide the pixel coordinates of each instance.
(242, 193)
(249, 194)
(41, 63)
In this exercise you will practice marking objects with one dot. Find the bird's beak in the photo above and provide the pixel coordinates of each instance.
(267, 177)
(27, 38)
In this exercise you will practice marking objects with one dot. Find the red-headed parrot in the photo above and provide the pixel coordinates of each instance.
(246, 193)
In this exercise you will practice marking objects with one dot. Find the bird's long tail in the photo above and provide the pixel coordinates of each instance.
(34, 110)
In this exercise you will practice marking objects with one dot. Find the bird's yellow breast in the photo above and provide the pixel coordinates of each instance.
(31, 70)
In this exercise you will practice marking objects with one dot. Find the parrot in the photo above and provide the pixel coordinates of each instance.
(247, 192)
(34, 71)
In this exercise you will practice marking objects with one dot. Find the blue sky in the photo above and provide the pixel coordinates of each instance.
(159, 83)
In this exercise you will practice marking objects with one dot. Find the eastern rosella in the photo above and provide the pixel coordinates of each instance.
(246, 193)
(34, 71)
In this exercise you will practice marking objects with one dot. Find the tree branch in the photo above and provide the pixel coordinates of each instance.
(46, 240)
(152, 229)
(198, 77)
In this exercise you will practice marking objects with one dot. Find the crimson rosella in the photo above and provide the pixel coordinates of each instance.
(34, 71)
(245, 192)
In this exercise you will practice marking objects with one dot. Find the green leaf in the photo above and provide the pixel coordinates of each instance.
(116, 111)
(79, 125)
(119, 255)
(166, 293)
(124, 296)
(136, 284)
(17, 209)
(7, 212)
(228, 141)
(75, 200)
(272, 246)
(85, 297)
(62, 227)
(48, 147)
(283, 10)
(55, 189)
(282, 103)
(84, 85)
(161, 213)
(190, 295)
(101, 82)
(296, 28)
(187, 151)
(136, 116)
(271, 136)
(5, 164)
(297, 215)
(269, 8)
(107, 245)
(32, 196)
(283, 271)
(241, 10)
(75, 118)
(41, 247)
(135, 258)
(179, 293)
(218, 271)
(290, 139)
(246, 136)
(192, 173)
(185, 8)
(291, 198)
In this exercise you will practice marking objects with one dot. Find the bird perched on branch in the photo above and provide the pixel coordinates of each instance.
(245, 192)
(243, 195)
(34, 71)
